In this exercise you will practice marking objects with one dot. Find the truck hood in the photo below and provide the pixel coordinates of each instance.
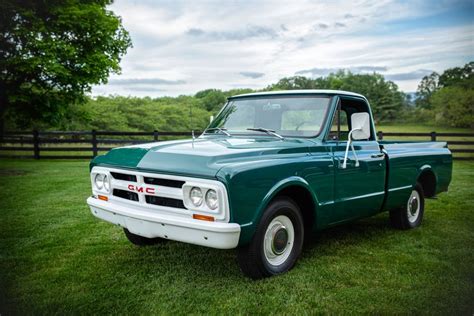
(202, 157)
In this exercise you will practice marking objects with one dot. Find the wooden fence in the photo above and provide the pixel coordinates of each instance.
(460, 144)
(68, 144)
(88, 144)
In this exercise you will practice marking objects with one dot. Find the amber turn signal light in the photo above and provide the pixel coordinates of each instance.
(103, 197)
(203, 217)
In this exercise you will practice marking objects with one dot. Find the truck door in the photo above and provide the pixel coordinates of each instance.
(358, 190)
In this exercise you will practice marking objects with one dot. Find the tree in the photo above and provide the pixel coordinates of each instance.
(385, 98)
(51, 52)
(233, 92)
(458, 76)
(447, 98)
(454, 106)
(426, 88)
(211, 99)
(293, 83)
(116, 113)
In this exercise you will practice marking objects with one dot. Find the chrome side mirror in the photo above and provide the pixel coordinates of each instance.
(360, 126)
(360, 130)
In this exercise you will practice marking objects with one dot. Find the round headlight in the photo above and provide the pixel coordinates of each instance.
(211, 199)
(102, 182)
(99, 180)
(195, 195)
(106, 183)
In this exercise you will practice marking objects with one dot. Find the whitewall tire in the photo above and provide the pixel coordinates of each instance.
(277, 242)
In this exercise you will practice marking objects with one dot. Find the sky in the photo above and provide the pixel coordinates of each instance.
(182, 47)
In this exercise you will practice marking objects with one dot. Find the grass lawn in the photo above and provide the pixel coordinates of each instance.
(56, 258)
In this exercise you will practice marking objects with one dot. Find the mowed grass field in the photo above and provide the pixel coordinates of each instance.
(56, 258)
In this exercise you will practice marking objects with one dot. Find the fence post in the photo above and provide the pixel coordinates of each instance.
(433, 136)
(36, 148)
(380, 135)
(94, 143)
(155, 135)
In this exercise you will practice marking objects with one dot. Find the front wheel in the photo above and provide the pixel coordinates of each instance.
(277, 242)
(411, 214)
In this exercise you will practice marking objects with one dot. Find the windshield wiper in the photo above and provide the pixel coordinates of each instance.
(266, 130)
(220, 130)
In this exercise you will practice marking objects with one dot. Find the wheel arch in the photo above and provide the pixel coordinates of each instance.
(299, 190)
(428, 180)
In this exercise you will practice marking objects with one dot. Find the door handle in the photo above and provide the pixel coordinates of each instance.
(350, 163)
(379, 155)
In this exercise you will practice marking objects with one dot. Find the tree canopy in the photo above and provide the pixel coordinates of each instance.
(192, 112)
(453, 106)
(51, 52)
(385, 98)
(426, 88)
(449, 97)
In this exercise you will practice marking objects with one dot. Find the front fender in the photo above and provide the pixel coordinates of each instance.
(248, 229)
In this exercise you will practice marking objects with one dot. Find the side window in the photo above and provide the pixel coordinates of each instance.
(340, 117)
(341, 121)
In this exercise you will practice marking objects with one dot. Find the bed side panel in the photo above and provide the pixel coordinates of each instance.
(407, 161)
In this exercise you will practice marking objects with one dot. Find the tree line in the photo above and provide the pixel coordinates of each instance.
(445, 99)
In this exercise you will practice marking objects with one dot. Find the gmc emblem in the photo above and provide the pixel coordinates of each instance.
(138, 189)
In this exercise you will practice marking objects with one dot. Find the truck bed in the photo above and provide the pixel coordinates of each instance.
(407, 160)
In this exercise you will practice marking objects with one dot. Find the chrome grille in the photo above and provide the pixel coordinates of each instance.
(125, 195)
(160, 193)
(164, 182)
(156, 200)
(124, 176)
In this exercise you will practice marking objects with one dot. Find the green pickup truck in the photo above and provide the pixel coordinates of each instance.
(270, 169)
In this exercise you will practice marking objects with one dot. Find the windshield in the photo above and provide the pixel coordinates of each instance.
(287, 116)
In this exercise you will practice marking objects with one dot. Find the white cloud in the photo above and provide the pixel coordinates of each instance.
(183, 47)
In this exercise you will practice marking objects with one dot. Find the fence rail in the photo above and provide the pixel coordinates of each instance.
(458, 147)
(73, 144)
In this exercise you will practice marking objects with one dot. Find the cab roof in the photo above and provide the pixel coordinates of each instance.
(298, 92)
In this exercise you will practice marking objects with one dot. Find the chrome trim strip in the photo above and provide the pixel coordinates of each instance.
(400, 188)
(361, 196)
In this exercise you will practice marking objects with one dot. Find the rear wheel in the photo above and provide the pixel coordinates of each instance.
(140, 240)
(277, 242)
(411, 214)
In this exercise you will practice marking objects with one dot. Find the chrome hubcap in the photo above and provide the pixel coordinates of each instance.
(279, 239)
(413, 206)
